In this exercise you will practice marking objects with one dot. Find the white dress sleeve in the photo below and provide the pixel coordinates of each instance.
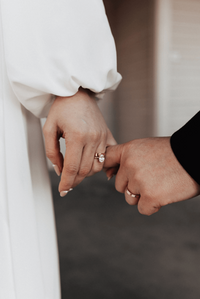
(52, 47)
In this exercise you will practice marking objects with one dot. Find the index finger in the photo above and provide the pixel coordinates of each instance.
(71, 166)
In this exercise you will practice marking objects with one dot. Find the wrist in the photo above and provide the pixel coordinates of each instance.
(89, 92)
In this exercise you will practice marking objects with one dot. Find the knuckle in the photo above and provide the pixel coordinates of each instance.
(50, 154)
(79, 135)
(84, 171)
(93, 147)
(47, 130)
(127, 164)
(94, 135)
(138, 177)
(71, 169)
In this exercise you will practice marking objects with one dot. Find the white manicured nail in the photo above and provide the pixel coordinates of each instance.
(110, 177)
(63, 193)
(56, 169)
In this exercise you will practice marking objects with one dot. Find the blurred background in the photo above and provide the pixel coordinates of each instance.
(158, 47)
(107, 249)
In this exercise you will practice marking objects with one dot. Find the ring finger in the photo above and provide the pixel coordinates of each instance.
(85, 165)
(98, 158)
(132, 198)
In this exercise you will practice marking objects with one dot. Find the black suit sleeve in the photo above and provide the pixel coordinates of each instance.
(185, 144)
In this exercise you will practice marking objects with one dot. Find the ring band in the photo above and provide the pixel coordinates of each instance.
(131, 194)
(100, 157)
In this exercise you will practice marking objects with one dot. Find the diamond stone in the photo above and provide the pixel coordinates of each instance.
(101, 158)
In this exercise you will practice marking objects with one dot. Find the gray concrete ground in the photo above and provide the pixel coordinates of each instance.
(109, 251)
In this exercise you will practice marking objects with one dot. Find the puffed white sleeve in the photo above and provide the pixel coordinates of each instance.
(52, 47)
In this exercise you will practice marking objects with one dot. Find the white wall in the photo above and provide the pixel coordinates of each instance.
(158, 45)
(185, 70)
(178, 74)
(134, 39)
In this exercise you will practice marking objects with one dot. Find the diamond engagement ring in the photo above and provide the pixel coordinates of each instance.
(100, 157)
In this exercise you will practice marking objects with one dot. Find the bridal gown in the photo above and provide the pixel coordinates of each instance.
(47, 48)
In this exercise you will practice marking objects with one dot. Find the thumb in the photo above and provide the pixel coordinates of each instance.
(113, 156)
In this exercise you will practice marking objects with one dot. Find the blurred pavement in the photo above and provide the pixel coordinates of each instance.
(109, 251)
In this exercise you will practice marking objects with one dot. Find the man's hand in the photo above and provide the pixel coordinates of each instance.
(79, 121)
(149, 168)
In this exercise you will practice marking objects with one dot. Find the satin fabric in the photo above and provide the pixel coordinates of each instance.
(47, 48)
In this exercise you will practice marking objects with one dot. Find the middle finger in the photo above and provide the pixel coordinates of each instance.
(71, 165)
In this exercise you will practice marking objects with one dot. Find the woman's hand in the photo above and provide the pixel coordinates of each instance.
(79, 121)
(150, 171)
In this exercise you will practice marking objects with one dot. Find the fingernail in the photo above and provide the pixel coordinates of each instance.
(56, 169)
(110, 177)
(63, 193)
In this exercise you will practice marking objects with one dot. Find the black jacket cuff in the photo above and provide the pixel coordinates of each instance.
(185, 144)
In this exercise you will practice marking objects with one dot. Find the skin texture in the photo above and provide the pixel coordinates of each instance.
(79, 121)
(149, 168)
